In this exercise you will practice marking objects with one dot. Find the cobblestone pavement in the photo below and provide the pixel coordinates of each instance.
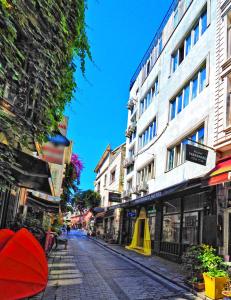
(87, 271)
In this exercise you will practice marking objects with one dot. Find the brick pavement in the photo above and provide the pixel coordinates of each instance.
(87, 271)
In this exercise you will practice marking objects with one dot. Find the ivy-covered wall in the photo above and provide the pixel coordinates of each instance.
(39, 39)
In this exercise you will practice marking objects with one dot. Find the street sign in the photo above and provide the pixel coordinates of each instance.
(196, 154)
(114, 197)
(131, 214)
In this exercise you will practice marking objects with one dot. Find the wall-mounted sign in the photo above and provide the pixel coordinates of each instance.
(131, 214)
(114, 197)
(196, 154)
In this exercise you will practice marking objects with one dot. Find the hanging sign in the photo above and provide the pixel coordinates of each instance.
(114, 197)
(196, 154)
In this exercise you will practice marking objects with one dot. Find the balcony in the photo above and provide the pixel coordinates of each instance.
(143, 187)
(135, 190)
(129, 161)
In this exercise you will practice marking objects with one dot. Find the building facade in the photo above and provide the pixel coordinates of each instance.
(109, 184)
(222, 128)
(171, 104)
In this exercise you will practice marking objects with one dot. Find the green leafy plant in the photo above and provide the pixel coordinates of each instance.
(213, 264)
(192, 265)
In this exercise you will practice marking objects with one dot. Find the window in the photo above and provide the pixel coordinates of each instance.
(181, 53)
(175, 61)
(105, 179)
(148, 134)
(171, 228)
(129, 185)
(189, 92)
(148, 67)
(176, 20)
(196, 34)
(113, 175)
(191, 39)
(146, 173)
(147, 100)
(194, 87)
(179, 103)
(176, 154)
(202, 79)
(186, 95)
(132, 136)
(130, 168)
(188, 44)
(173, 109)
(171, 159)
(229, 36)
(203, 22)
(155, 88)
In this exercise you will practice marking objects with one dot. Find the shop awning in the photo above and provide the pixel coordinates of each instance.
(28, 171)
(221, 173)
(42, 204)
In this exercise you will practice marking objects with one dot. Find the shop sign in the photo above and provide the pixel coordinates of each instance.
(114, 197)
(131, 214)
(196, 154)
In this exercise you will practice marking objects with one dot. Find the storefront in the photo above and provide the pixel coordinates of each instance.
(179, 216)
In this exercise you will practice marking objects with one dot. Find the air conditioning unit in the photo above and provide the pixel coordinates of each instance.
(131, 103)
(126, 194)
(128, 133)
(128, 161)
(135, 190)
(143, 187)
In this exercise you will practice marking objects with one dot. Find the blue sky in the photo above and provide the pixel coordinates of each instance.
(119, 32)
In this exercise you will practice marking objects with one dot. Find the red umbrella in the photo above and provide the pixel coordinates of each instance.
(5, 236)
(24, 269)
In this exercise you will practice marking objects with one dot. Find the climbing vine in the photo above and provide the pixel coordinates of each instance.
(39, 39)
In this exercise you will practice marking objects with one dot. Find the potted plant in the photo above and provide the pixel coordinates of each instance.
(227, 290)
(192, 267)
(215, 274)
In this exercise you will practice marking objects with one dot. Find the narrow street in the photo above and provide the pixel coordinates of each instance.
(88, 271)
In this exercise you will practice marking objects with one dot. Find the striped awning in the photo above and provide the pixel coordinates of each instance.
(221, 173)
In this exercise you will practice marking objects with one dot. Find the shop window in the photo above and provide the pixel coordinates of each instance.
(172, 206)
(171, 228)
(190, 229)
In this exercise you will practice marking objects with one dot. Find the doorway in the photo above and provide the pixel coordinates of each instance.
(141, 227)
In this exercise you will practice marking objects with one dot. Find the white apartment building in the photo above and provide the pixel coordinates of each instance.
(172, 100)
(109, 184)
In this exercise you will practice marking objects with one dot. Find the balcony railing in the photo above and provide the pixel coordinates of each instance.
(131, 103)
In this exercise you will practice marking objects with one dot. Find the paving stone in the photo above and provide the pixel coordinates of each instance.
(86, 271)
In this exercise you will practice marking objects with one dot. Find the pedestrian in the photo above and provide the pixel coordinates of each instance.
(68, 229)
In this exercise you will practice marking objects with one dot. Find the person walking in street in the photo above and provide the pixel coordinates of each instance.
(68, 229)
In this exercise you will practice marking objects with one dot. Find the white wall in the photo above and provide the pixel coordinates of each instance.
(200, 110)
